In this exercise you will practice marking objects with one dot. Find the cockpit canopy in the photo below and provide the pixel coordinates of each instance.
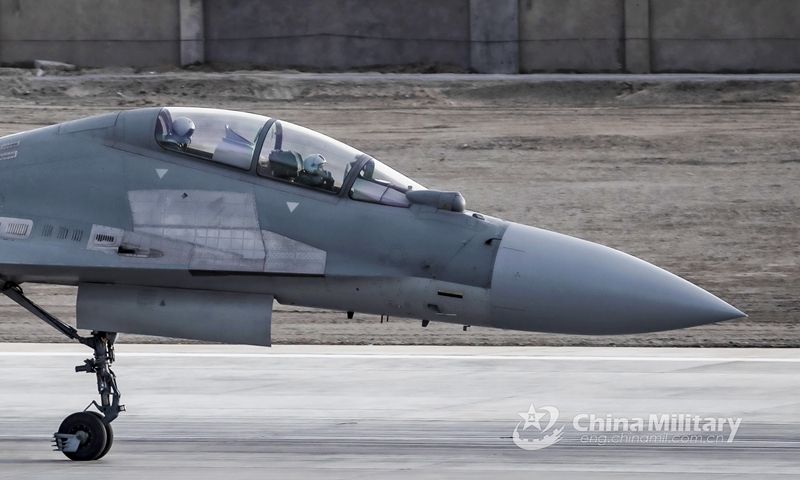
(286, 152)
(304, 157)
(221, 136)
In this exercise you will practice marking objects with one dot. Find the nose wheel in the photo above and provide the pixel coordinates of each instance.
(88, 435)
(82, 436)
(85, 435)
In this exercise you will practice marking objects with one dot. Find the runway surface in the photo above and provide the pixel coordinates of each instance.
(408, 412)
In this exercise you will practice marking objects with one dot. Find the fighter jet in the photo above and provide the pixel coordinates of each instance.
(189, 222)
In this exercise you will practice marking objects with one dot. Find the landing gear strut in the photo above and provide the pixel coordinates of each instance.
(85, 435)
(94, 428)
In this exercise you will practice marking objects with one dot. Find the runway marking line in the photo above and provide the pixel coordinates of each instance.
(368, 356)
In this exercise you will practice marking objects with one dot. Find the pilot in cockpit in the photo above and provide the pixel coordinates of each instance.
(314, 173)
(180, 132)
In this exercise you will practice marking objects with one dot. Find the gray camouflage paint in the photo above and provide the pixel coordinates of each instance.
(107, 205)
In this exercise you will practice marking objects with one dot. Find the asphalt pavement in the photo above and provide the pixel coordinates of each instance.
(200, 411)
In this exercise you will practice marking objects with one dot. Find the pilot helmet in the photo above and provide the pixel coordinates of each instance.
(183, 128)
(314, 164)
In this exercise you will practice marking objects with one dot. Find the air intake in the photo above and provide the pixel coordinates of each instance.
(101, 238)
(15, 228)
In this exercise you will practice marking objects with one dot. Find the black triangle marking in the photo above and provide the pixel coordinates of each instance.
(163, 304)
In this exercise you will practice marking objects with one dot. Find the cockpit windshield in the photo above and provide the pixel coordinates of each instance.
(289, 153)
(221, 136)
(298, 155)
(378, 183)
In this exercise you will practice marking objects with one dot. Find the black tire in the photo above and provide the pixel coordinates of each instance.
(109, 436)
(93, 446)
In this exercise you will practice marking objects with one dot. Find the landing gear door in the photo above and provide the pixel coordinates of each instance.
(239, 318)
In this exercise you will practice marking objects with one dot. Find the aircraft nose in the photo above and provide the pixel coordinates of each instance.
(547, 282)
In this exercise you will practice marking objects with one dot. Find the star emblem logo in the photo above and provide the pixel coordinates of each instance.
(532, 417)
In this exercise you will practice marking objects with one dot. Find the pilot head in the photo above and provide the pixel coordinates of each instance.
(314, 164)
(182, 130)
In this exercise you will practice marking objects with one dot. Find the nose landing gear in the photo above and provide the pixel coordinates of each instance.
(88, 435)
(85, 435)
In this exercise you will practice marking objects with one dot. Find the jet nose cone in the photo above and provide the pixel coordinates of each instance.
(547, 282)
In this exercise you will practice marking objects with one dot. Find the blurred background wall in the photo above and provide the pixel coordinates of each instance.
(492, 36)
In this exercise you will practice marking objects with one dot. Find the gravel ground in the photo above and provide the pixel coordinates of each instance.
(700, 176)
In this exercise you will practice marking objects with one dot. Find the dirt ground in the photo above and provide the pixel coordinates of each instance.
(701, 178)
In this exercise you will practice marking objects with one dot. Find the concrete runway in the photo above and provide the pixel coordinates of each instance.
(405, 412)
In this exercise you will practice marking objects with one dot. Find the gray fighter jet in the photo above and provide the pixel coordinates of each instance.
(189, 222)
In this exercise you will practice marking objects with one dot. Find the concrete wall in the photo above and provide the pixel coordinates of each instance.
(90, 32)
(494, 36)
(192, 28)
(571, 35)
(482, 35)
(637, 36)
(338, 33)
(725, 35)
